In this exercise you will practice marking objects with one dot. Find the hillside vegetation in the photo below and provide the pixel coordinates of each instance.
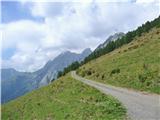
(113, 45)
(67, 99)
(135, 65)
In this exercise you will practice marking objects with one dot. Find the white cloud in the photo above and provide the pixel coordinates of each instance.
(69, 26)
(27, 38)
(22, 31)
(47, 9)
(146, 1)
(89, 1)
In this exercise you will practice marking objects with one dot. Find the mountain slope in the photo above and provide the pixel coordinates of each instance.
(135, 65)
(109, 39)
(59, 63)
(15, 84)
(67, 99)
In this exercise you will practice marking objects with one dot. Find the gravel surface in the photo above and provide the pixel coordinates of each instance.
(139, 105)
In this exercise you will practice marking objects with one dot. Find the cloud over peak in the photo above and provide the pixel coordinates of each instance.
(68, 26)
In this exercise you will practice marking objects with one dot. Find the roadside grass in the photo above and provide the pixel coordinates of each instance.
(67, 99)
(135, 65)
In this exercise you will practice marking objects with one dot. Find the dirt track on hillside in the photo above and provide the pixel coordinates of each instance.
(140, 106)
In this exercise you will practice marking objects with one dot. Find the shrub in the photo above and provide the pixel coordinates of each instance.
(135, 46)
(148, 83)
(142, 44)
(157, 32)
(114, 71)
(97, 75)
(142, 78)
(102, 76)
(89, 72)
(38, 104)
(125, 50)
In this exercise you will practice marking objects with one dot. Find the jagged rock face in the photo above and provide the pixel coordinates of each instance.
(110, 38)
(15, 84)
(59, 63)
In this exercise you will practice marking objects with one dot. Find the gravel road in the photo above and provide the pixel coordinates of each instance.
(139, 105)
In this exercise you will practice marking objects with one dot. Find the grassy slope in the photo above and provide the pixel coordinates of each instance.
(66, 98)
(136, 65)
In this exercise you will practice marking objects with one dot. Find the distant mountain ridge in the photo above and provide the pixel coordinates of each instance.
(59, 63)
(15, 84)
(113, 37)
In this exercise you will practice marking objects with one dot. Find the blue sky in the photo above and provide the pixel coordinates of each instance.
(35, 32)
(14, 11)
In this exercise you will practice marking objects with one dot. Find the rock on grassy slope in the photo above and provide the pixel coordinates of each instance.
(65, 98)
(135, 65)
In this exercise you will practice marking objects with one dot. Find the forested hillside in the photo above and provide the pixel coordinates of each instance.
(112, 45)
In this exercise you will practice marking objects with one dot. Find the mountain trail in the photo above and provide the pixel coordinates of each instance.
(139, 105)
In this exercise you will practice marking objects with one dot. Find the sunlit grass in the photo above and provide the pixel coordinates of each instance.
(67, 99)
(136, 65)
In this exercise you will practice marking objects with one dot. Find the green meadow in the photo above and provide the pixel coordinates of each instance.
(67, 99)
(135, 65)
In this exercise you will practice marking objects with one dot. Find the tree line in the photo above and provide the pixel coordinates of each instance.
(71, 67)
(112, 45)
